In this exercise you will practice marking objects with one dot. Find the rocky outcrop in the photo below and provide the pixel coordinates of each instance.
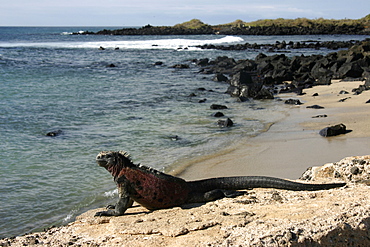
(266, 75)
(359, 28)
(309, 44)
(261, 217)
(355, 169)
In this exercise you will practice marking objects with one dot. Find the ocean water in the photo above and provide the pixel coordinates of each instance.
(53, 81)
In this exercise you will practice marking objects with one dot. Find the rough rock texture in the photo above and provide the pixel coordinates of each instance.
(181, 29)
(333, 130)
(265, 76)
(262, 217)
(354, 169)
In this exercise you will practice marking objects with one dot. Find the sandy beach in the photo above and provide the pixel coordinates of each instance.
(294, 143)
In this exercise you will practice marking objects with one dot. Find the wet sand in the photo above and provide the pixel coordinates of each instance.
(293, 144)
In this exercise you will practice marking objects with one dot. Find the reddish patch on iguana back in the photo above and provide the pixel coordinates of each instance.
(153, 191)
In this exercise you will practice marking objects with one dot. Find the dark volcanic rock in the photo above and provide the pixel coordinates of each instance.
(344, 99)
(324, 79)
(333, 130)
(225, 123)
(320, 116)
(220, 77)
(202, 62)
(352, 69)
(218, 107)
(54, 133)
(218, 114)
(362, 88)
(246, 85)
(315, 107)
(266, 75)
(313, 29)
(343, 92)
(293, 102)
(264, 93)
(180, 66)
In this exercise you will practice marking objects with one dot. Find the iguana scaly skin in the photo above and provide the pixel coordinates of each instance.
(155, 190)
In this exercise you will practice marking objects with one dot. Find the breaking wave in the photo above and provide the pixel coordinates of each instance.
(132, 44)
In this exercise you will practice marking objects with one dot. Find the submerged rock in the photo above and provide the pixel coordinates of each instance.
(218, 114)
(180, 66)
(218, 107)
(54, 133)
(225, 123)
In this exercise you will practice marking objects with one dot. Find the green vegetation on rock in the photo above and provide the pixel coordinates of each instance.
(299, 22)
(279, 26)
(192, 24)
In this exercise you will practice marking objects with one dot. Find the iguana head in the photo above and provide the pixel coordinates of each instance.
(114, 161)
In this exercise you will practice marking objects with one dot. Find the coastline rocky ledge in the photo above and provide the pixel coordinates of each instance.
(299, 26)
(261, 217)
(266, 76)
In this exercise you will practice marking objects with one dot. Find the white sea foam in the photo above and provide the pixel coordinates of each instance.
(111, 193)
(132, 44)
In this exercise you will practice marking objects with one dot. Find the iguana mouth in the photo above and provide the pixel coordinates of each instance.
(101, 162)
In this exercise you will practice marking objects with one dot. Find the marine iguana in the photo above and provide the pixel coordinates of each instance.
(156, 190)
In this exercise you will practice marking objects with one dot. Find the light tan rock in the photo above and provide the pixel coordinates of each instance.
(261, 217)
(350, 169)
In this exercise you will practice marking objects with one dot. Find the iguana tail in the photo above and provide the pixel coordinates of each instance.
(249, 182)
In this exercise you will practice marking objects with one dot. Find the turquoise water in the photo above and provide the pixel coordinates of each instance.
(53, 81)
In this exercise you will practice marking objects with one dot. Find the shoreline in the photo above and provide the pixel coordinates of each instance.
(260, 217)
(299, 26)
(293, 144)
(261, 214)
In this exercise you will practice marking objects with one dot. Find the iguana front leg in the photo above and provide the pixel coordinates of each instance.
(124, 202)
(122, 205)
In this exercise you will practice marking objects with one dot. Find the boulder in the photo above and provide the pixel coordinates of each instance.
(352, 69)
(218, 107)
(225, 123)
(202, 62)
(264, 93)
(333, 130)
(244, 86)
(220, 77)
(218, 114)
(233, 91)
(293, 102)
(320, 116)
(362, 88)
(315, 107)
(246, 65)
(241, 78)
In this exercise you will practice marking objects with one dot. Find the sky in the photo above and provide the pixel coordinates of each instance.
(170, 12)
